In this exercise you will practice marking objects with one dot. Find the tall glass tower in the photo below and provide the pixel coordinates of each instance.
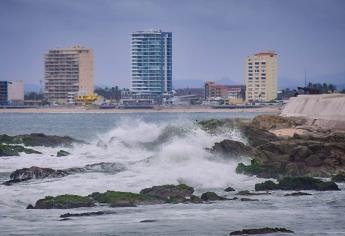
(151, 62)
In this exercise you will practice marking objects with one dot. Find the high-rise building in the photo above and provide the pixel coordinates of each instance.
(151, 62)
(261, 72)
(68, 73)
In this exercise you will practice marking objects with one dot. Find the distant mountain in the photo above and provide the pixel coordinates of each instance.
(32, 88)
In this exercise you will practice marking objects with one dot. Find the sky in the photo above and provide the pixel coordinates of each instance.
(211, 38)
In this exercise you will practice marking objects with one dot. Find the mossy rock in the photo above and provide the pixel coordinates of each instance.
(306, 183)
(338, 177)
(169, 191)
(211, 196)
(259, 170)
(14, 150)
(39, 139)
(297, 183)
(115, 197)
(62, 153)
(265, 186)
(64, 202)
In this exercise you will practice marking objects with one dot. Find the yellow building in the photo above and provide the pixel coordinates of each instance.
(68, 73)
(261, 75)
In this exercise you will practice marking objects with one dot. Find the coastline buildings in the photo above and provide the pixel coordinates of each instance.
(11, 93)
(151, 62)
(68, 74)
(261, 72)
(234, 94)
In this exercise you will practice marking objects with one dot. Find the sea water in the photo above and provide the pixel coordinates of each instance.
(154, 149)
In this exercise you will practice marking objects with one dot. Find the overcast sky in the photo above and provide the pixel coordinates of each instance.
(211, 39)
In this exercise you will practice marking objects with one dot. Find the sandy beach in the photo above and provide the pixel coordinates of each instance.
(272, 109)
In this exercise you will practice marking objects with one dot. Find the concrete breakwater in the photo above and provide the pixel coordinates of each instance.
(325, 110)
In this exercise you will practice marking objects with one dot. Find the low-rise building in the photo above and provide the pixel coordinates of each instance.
(231, 93)
(11, 93)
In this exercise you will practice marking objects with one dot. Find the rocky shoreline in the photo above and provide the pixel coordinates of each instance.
(309, 151)
(293, 155)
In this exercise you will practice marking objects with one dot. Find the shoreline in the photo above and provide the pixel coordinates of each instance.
(124, 111)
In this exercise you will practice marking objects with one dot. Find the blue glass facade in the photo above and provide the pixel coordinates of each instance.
(3, 92)
(151, 62)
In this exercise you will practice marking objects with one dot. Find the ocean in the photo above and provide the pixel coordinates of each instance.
(152, 149)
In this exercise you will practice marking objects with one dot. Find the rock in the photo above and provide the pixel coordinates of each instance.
(115, 197)
(122, 204)
(14, 150)
(102, 144)
(108, 167)
(269, 122)
(62, 153)
(195, 199)
(93, 213)
(148, 221)
(231, 148)
(249, 200)
(215, 125)
(297, 183)
(30, 206)
(258, 169)
(169, 191)
(229, 189)
(338, 177)
(265, 186)
(39, 139)
(211, 196)
(34, 172)
(296, 157)
(261, 231)
(306, 183)
(297, 194)
(64, 202)
(257, 137)
(248, 193)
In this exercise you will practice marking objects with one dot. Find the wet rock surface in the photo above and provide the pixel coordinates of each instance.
(169, 191)
(15, 150)
(211, 196)
(34, 172)
(62, 153)
(297, 183)
(39, 139)
(316, 153)
(265, 230)
(93, 213)
(231, 149)
(338, 177)
(295, 194)
(229, 189)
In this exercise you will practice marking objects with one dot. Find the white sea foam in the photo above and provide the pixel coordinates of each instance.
(153, 154)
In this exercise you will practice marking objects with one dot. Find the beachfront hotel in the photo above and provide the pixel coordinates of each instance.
(151, 62)
(261, 76)
(68, 74)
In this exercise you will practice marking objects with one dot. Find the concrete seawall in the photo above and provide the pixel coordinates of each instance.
(326, 110)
